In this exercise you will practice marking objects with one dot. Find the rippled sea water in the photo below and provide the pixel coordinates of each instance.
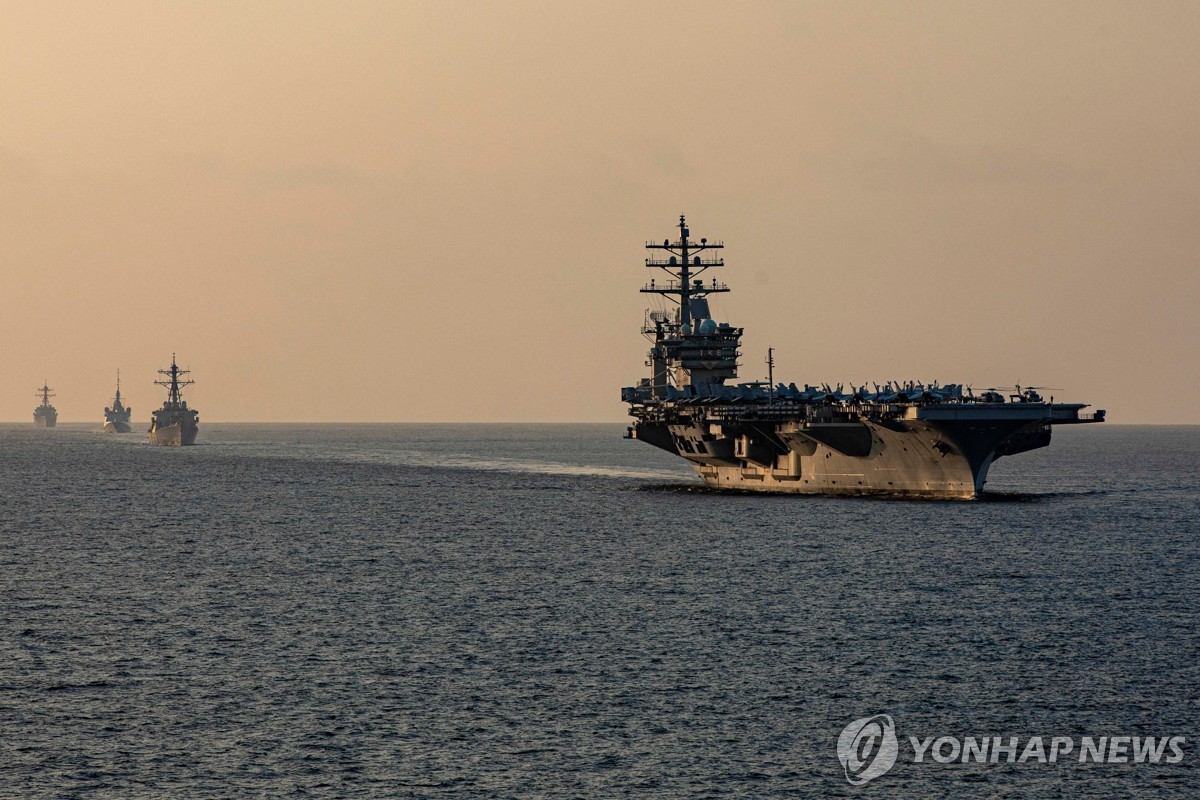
(526, 611)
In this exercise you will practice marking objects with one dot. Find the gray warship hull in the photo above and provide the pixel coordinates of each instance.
(45, 420)
(117, 426)
(174, 434)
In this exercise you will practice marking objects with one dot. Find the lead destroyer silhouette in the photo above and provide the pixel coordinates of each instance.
(901, 438)
(174, 423)
(45, 415)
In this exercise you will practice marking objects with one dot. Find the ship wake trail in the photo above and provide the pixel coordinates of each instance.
(432, 460)
(520, 466)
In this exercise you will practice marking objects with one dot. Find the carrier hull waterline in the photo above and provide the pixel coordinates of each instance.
(914, 457)
(905, 439)
(174, 424)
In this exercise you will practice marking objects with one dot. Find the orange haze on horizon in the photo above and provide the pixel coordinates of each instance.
(429, 211)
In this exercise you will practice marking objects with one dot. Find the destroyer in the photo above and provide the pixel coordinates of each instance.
(45, 415)
(916, 439)
(116, 419)
(174, 423)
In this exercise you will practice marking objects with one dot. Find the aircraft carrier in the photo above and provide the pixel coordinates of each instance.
(174, 423)
(910, 438)
(45, 415)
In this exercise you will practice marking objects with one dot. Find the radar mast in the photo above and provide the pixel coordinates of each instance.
(173, 383)
(45, 393)
(683, 264)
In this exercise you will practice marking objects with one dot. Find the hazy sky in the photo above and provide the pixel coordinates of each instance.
(410, 211)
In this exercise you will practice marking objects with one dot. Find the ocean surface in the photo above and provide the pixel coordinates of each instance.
(549, 611)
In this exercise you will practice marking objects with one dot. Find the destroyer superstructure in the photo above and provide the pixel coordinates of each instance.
(116, 418)
(900, 438)
(174, 423)
(45, 415)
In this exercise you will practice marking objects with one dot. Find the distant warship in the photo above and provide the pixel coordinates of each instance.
(116, 419)
(905, 438)
(45, 415)
(174, 423)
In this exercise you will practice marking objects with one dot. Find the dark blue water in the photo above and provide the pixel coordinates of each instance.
(549, 611)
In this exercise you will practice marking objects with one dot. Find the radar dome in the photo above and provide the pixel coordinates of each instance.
(708, 327)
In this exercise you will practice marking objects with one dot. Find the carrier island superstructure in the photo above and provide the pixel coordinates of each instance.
(909, 438)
